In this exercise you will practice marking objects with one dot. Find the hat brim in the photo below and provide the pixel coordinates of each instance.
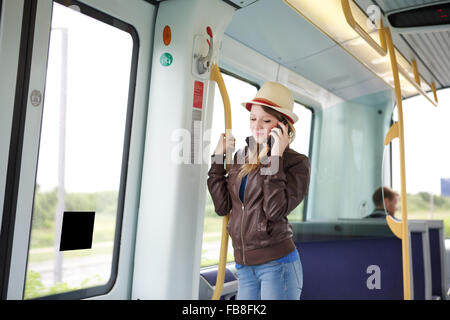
(292, 117)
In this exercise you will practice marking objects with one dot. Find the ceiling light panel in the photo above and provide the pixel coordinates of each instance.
(328, 16)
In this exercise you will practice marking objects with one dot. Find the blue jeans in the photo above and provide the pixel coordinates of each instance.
(270, 281)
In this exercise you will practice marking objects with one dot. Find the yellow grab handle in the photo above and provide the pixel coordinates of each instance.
(217, 77)
(433, 88)
(382, 50)
(392, 134)
(400, 229)
(416, 71)
(395, 226)
(417, 86)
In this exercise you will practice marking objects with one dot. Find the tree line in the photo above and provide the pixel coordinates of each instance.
(45, 205)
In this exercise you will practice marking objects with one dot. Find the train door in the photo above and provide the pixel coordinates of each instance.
(76, 126)
(10, 27)
(175, 164)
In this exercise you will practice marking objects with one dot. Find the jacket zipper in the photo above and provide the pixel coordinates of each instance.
(242, 221)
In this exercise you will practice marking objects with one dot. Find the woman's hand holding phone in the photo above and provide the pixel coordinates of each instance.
(281, 139)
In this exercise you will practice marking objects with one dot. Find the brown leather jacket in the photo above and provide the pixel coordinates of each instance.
(259, 228)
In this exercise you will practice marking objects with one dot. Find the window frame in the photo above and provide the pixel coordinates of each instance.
(311, 141)
(8, 218)
(131, 30)
(238, 77)
(392, 122)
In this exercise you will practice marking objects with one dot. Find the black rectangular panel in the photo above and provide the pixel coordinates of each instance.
(77, 230)
(422, 17)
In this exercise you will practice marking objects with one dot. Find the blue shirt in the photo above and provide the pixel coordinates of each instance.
(291, 257)
(242, 189)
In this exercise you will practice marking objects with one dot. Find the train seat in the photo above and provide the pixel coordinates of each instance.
(343, 269)
(208, 277)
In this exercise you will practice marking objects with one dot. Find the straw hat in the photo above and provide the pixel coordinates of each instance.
(276, 96)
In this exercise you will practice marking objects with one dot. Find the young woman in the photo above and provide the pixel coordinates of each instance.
(266, 181)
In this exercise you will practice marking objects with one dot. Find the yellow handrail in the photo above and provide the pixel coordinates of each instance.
(217, 77)
(417, 86)
(416, 71)
(419, 82)
(433, 88)
(382, 50)
(400, 229)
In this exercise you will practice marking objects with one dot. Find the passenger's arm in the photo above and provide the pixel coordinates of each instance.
(218, 185)
(285, 189)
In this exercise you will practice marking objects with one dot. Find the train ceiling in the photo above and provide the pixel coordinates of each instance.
(431, 47)
(273, 29)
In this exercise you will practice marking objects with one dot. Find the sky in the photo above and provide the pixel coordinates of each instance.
(96, 103)
(427, 151)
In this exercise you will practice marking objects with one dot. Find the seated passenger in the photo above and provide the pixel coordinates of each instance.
(389, 202)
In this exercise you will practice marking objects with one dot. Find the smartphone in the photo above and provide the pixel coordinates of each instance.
(271, 139)
(284, 121)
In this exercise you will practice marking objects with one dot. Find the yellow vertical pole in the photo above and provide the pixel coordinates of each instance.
(401, 136)
(382, 36)
(217, 76)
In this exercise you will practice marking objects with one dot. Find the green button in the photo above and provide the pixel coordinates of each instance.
(166, 59)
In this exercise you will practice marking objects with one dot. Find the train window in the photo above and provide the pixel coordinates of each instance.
(238, 91)
(302, 144)
(427, 159)
(84, 139)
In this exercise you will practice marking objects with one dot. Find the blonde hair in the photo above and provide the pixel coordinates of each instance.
(254, 158)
